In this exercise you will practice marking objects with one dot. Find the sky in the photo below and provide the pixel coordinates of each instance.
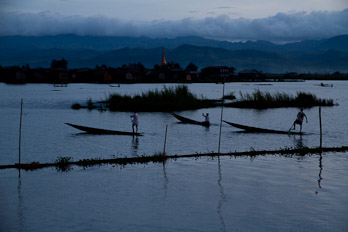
(232, 20)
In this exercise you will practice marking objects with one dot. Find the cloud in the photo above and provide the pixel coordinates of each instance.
(281, 27)
(224, 7)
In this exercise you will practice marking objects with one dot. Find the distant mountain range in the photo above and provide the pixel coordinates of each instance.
(328, 55)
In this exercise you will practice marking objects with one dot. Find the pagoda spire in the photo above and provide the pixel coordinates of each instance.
(163, 62)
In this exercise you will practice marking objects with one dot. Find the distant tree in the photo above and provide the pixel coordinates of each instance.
(140, 66)
(191, 67)
(172, 65)
(156, 67)
(26, 66)
(59, 64)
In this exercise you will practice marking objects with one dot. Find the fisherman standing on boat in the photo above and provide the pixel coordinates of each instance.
(299, 120)
(206, 116)
(135, 121)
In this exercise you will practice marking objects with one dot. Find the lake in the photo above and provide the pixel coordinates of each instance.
(265, 193)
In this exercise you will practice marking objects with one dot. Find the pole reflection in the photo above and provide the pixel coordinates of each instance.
(221, 200)
(320, 171)
(165, 181)
(20, 217)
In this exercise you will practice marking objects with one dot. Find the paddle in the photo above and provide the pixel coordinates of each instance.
(290, 129)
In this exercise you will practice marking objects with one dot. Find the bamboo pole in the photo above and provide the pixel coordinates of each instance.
(222, 111)
(321, 132)
(165, 141)
(20, 137)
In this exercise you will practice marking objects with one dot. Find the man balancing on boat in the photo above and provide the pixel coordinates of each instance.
(299, 120)
(135, 121)
(206, 118)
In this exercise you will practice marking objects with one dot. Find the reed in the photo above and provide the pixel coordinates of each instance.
(169, 99)
(264, 100)
(229, 96)
(65, 164)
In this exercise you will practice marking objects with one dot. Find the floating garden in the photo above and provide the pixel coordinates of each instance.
(264, 100)
(179, 98)
(64, 164)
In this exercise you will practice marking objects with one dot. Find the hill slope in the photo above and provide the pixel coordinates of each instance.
(328, 55)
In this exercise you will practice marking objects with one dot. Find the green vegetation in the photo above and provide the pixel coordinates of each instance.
(264, 100)
(90, 104)
(63, 164)
(167, 100)
(229, 96)
(76, 106)
(179, 98)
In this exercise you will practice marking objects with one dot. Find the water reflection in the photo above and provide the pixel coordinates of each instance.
(222, 199)
(320, 170)
(165, 182)
(298, 141)
(20, 217)
(135, 146)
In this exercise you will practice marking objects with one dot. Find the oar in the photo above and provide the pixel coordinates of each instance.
(290, 129)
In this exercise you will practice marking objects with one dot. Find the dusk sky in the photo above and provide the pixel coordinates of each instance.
(237, 20)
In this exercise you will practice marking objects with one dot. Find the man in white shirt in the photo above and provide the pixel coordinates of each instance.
(206, 116)
(135, 121)
(299, 120)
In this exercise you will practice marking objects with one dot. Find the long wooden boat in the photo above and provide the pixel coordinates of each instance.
(91, 130)
(261, 130)
(190, 121)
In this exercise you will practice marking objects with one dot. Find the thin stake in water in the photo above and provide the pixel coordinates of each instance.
(165, 141)
(321, 132)
(222, 111)
(20, 137)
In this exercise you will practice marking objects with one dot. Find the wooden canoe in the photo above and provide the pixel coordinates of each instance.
(91, 130)
(261, 130)
(190, 121)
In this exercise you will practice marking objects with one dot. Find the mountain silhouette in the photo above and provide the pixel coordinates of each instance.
(327, 55)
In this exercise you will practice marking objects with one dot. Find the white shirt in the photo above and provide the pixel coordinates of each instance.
(134, 118)
(207, 119)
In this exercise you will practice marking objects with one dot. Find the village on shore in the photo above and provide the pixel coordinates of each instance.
(165, 72)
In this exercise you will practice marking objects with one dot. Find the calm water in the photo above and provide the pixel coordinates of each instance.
(46, 108)
(267, 193)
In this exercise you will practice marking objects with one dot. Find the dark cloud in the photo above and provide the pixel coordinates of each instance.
(280, 27)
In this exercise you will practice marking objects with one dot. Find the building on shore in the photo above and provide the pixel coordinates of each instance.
(218, 73)
(251, 75)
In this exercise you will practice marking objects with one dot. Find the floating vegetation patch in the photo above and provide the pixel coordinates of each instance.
(264, 100)
(229, 96)
(167, 100)
(179, 98)
(64, 163)
(76, 106)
